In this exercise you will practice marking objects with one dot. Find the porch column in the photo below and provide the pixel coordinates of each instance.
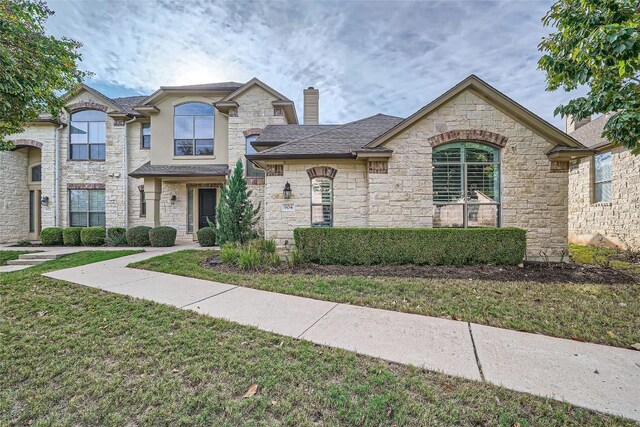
(152, 192)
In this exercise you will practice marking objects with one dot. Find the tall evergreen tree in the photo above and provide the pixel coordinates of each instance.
(236, 214)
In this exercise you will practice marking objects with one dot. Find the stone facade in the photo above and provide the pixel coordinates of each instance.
(532, 196)
(614, 223)
(14, 203)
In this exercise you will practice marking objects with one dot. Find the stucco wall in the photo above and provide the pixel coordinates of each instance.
(14, 197)
(615, 223)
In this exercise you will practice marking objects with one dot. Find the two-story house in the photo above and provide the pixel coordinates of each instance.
(470, 158)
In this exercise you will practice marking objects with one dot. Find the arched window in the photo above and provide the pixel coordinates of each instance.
(466, 185)
(322, 202)
(36, 173)
(87, 135)
(193, 129)
(252, 171)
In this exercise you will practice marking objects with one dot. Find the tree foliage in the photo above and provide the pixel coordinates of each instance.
(35, 67)
(597, 44)
(236, 214)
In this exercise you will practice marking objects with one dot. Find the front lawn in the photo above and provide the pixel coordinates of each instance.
(606, 314)
(73, 355)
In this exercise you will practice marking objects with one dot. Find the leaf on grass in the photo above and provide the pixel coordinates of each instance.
(253, 388)
(611, 334)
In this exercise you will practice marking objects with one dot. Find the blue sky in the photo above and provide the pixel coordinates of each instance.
(364, 56)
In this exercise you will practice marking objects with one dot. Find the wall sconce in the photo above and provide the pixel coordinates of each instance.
(286, 193)
(44, 201)
(173, 199)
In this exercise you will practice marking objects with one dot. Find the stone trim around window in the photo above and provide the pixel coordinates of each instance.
(250, 132)
(255, 180)
(275, 170)
(20, 143)
(378, 166)
(86, 106)
(558, 166)
(468, 135)
(322, 172)
(86, 186)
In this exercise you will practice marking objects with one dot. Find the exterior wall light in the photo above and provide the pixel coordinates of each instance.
(287, 191)
(173, 199)
(44, 201)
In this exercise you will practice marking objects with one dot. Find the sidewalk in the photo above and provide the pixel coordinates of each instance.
(598, 377)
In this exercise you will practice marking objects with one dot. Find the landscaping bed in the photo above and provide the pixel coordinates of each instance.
(529, 272)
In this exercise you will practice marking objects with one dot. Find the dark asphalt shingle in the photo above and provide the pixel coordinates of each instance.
(179, 170)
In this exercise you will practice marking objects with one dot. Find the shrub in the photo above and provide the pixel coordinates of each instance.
(251, 256)
(230, 252)
(116, 236)
(51, 236)
(92, 236)
(162, 236)
(71, 236)
(434, 246)
(138, 236)
(207, 236)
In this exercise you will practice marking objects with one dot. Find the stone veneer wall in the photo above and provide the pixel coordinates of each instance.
(136, 157)
(615, 223)
(14, 196)
(533, 198)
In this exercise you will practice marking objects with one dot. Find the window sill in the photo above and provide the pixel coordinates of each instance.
(87, 160)
(194, 157)
(145, 148)
(602, 204)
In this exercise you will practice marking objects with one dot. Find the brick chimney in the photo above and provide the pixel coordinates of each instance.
(570, 125)
(311, 106)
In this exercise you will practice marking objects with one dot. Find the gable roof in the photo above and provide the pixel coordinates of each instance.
(279, 134)
(69, 95)
(590, 134)
(333, 141)
(492, 96)
(220, 87)
(281, 100)
(127, 103)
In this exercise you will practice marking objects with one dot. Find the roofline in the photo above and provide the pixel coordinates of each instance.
(82, 86)
(172, 175)
(258, 156)
(181, 91)
(292, 116)
(494, 97)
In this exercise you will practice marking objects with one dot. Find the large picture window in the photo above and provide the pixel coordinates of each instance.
(87, 135)
(86, 208)
(193, 129)
(322, 202)
(466, 185)
(602, 178)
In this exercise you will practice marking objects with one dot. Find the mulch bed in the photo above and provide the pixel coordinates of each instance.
(530, 272)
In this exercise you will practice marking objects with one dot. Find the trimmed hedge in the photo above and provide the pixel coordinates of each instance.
(162, 236)
(433, 246)
(116, 236)
(71, 236)
(138, 236)
(51, 236)
(93, 236)
(206, 237)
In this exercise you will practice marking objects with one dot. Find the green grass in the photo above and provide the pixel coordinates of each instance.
(72, 355)
(600, 256)
(10, 255)
(596, 313)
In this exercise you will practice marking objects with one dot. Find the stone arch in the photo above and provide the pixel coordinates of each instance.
(250, 132)
(87, 106)
(322, 171)
(23, 143)
(469, 135)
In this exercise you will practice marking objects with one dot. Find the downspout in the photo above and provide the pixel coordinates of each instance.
(56, 174)
(125, 169)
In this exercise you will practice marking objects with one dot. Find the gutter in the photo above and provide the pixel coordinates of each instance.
(56, 174)
(125, 171)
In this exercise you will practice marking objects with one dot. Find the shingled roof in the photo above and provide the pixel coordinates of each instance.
(328, 140)
(127, 103)
(179, 170)
(590, 134)
(279, 134)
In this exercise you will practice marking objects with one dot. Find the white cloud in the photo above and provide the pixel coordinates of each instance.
(364, 56)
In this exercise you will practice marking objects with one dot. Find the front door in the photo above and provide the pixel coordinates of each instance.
(34, 214)
(206, 206)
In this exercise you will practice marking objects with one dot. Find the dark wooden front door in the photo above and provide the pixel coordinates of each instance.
(206, 206)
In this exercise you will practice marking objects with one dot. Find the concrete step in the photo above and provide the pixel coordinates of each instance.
(26, 261)
(38, 255)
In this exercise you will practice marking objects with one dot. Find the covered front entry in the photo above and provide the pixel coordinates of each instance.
(206, 206)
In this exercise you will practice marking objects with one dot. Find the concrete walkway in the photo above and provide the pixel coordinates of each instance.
(598, 377)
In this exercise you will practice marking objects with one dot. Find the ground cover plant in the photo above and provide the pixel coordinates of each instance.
(73, 355)
(593, 312)
(619, 259)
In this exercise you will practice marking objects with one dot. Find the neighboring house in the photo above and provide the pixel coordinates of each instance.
(470, 158)
(604, 190)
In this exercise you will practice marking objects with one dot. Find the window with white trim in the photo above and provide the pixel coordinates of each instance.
(86, 208)
(322, 202)
(602, 191)
(466, 185)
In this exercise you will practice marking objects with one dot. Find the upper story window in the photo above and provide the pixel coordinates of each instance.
(87, 135)
(322, 202)
(602, 177)
(466, 185)
(145, 142)
(36, 173)
(193, 129)
(252, 171)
